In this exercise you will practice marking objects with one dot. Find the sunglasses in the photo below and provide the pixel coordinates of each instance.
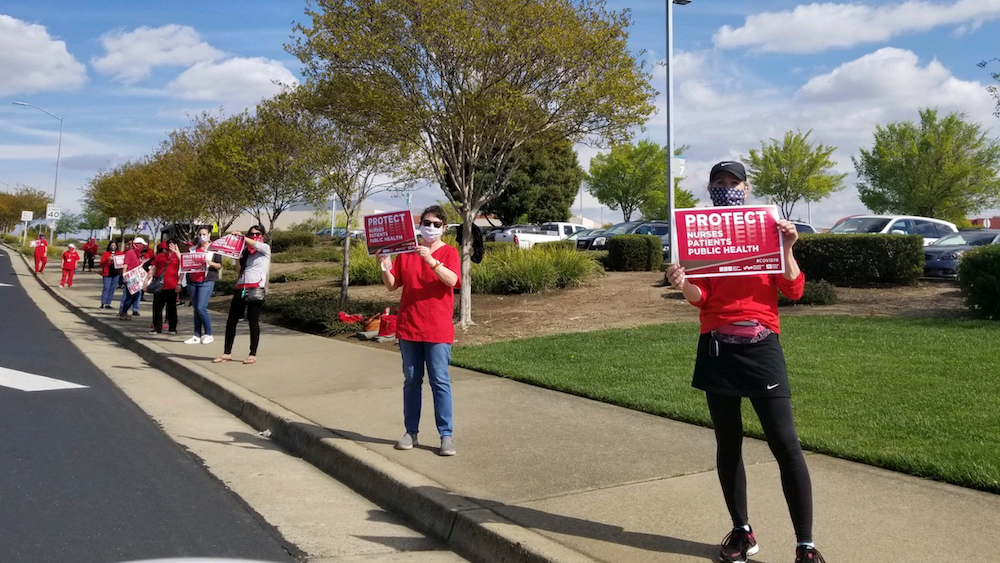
(253, 234)
(436, 224)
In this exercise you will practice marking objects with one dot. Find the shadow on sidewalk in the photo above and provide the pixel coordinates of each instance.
(243, 440)
(355, 437)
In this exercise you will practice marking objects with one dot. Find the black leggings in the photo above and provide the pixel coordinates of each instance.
(236, 309)
(167, 298)
(776, 418)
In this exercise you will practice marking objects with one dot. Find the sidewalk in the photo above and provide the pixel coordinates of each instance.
(541, 475)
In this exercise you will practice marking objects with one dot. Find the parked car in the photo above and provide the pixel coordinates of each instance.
(600, 241)
(930, 229)
(328, 232)
(803, 227)
(562, 229)
(942, 256)
(584, 233)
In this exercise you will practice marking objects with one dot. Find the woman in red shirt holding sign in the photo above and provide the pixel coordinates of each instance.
(166, 266)
(424, 324)
(739, 355)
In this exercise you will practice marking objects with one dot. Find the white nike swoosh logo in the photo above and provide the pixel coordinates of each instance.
(769, 387)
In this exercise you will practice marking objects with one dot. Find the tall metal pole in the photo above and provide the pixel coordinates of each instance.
(55, 187)
(670, 130)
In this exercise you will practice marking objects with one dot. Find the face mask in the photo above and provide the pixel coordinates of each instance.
(204, 238)
(430, 234)
(724, 197)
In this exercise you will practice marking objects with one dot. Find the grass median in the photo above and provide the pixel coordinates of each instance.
(921, 396)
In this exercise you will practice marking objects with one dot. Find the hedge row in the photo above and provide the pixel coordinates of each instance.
(861, 260)
(635, 253)
(283, 240)
(979, 278)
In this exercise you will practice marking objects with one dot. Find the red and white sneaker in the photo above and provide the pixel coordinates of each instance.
(806, 554)
(738, 546)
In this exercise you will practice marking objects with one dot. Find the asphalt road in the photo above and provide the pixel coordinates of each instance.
(86, 476)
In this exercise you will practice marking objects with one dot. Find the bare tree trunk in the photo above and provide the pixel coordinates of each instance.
(345, 276)
(465, 294)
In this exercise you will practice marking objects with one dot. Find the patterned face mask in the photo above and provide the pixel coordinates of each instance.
(724, 197)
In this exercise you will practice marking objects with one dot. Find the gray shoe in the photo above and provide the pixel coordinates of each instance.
(447, 446)
(407, 442)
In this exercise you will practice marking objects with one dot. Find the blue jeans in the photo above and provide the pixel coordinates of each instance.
(110, 285)
(200, 292)
(138, 298)
(436, 357)
(129, 301)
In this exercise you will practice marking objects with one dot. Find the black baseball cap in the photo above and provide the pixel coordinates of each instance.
(730, 166)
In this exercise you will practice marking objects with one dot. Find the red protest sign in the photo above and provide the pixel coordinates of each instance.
(729, 241)
(118, 261)
(194, 262)
(134, 279)
(229, 245)
(390, 232)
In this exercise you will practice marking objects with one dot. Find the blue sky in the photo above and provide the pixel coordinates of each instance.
(123, 74)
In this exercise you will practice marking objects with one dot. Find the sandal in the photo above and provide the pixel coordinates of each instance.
(221, 359)
(250, 360)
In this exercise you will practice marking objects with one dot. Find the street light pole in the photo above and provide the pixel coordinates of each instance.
(55, 187)
(671, 204)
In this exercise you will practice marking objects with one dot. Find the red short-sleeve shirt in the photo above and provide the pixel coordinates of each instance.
(427, 305)
(168, 265)
(69, 260)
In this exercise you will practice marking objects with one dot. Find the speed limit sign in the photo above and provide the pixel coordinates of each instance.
(52, 211)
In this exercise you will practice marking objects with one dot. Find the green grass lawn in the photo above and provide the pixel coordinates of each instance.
(920, 396)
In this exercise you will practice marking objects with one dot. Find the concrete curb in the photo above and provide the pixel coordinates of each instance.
(473, 531)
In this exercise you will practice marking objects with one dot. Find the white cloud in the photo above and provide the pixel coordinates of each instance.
(32, 61)
(812, 28)
(233, 82)
(131, 56)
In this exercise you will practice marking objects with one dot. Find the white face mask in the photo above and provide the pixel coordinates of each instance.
(430, 234)
(204, 238)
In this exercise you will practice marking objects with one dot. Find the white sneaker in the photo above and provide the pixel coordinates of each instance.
(207, 339)
(193, 340)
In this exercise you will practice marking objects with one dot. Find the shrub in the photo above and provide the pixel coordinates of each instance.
(283, 240)
(572, 268)
(309, 273)
(556, 244)
(510, 270)
(599, 256)
(979, 278)
(363, 269)
(316, 311)
(861, 260)
(226, 284)
(307, 254)
(818, 292)
(492, 245)
(635, 253)
(11, 239)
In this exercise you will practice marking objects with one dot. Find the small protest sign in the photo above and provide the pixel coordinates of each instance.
(390, 232)
(729, 241)
(229, 245)
(118, 260)
(194, 262)
(133, 280)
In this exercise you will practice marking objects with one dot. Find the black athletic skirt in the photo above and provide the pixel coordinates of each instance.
(741, 370)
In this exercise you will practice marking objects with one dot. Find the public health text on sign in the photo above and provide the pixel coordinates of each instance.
(729, 241)
(390, 232)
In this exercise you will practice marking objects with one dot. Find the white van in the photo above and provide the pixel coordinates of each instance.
(930, 229)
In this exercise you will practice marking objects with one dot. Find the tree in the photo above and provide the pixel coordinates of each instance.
(473, 80)
(23, 199)
(68, 223)
(223, 197)
(93, 220)
(627, 176)
(992, 89)
(544, 186)
(942, 168)
(655, 205)
(118, 193)
(791, 170)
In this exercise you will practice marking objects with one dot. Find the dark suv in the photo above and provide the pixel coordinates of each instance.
(600, 241)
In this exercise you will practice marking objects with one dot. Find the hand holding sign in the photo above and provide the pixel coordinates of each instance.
(230, 245)
(390, 233)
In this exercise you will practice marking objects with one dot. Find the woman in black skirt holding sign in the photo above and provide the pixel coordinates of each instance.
(739, 355)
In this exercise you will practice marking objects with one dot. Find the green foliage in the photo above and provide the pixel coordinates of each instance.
(543, 187)
(308, 273)
(554, 244)
(943, 168)
(308, 254)
(510, 270)
(655, 206)
(599, 256)
(24, 199)
(68, 223)
(226, 284)
(317, 311)
(816, 292)
(791, 170)
(492, 245)
(10, 239)
(363, 269)
(635, 253)
(317, 222)
(284, 240)
(861, 260)
(979, 278)
(992, 88)
(625, 177)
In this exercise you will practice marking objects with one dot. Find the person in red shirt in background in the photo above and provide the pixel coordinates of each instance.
(69, 260)
(110, 274)
(424, 324)
(89, 251)
(738, 356)
(167, 265)
(133, 260)
(41, 247)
